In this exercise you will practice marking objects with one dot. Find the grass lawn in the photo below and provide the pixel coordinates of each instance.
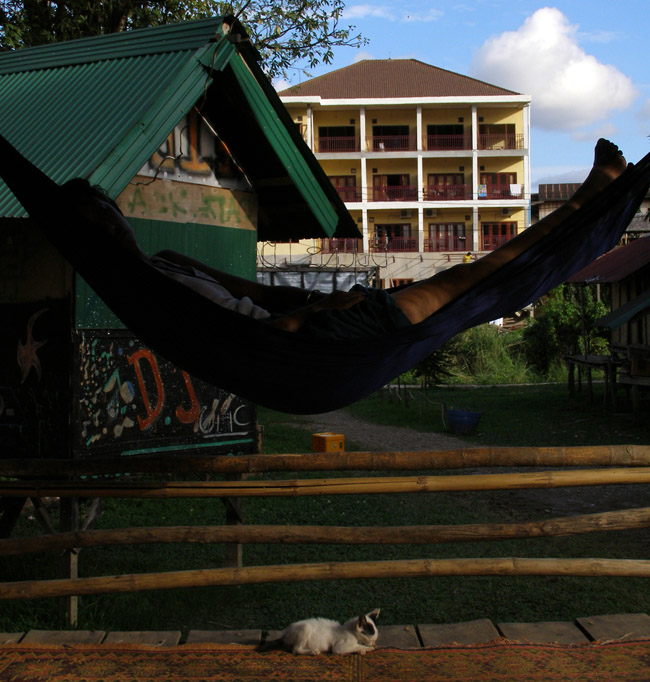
(535, 415)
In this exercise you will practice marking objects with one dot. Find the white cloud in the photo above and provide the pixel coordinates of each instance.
(570, 89)
(361, 55)
(422, 17)
(385, 12)
(281, 84)
(365, 11)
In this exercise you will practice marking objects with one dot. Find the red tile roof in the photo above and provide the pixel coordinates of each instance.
(392, 78)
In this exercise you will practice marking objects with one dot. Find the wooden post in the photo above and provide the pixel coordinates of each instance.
(69, 562)
(234, 517)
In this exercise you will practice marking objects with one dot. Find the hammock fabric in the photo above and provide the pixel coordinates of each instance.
(284, 370)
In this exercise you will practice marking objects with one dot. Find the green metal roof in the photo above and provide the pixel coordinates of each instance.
(100, 107)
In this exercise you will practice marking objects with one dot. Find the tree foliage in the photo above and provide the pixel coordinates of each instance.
(286, 32)
(564, 324)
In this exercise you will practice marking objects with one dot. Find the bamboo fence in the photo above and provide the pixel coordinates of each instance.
(616, 465)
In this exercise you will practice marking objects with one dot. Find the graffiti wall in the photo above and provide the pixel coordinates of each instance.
(130, 400)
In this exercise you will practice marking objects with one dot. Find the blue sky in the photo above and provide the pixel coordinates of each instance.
(584, 64)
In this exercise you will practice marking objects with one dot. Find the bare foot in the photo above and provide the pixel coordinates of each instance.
(609, 163)
(609, 159)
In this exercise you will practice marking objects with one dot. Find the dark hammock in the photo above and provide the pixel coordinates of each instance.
(283, 370)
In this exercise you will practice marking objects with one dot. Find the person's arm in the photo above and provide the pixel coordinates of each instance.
(337, 299)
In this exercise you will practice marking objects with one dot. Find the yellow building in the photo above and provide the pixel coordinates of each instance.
(431, 164)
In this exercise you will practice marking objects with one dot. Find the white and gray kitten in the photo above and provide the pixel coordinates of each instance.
(321, 635)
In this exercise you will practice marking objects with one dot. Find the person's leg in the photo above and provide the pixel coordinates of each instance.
(424, 298)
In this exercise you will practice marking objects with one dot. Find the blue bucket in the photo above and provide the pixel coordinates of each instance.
(462, 421)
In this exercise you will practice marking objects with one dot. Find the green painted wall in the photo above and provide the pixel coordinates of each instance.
(224, 248)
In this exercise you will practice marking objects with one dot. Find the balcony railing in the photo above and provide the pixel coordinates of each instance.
(392, 143)
(501, 141)
(394, 193)
(448, 142)
(349, 194)
(394, 244)
(447, 192)
(430, 192)
(489, 242)
(514, 191)
(341, 245)
(448, 243)
(337, 144)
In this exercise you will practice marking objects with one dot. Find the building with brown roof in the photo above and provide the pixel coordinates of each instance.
(430, 163)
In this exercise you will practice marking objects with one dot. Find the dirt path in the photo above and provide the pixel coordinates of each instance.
(377, 437)
(577, 500)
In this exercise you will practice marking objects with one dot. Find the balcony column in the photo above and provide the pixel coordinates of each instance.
(420, 229)
(364, 230)
(476, 230)
(475, 177)
(418, 129)
(310, 127)
(527, 180)
(364, 169)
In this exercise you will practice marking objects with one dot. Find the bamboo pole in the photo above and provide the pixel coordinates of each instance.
(278, 534)
(604, 455)
(339, 486)
(407, 568)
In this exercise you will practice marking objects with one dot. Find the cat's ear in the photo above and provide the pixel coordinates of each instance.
(373, 615)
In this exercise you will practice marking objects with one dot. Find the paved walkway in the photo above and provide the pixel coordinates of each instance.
(581, 631)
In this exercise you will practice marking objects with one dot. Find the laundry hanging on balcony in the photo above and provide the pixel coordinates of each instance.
(287, 371)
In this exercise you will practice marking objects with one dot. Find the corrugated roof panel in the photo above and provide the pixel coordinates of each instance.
(85, 108)
(617, 264)
(99, 107)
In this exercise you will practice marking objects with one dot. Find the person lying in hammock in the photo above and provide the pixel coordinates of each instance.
(362, 311)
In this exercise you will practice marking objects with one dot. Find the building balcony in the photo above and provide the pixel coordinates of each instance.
(448, 142)
(337, 144)
(514, 191)
(498, 141)
(392, 143)
(447, 192)
(493, 241)
(394, 193)
(349, 194)
(385, 244)
(448, 243)
(341, 245)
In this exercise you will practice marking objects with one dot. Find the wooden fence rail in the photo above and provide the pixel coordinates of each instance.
(359, 535)
(335, 486)
(625, 464)
(352, 570)
(481, 457)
